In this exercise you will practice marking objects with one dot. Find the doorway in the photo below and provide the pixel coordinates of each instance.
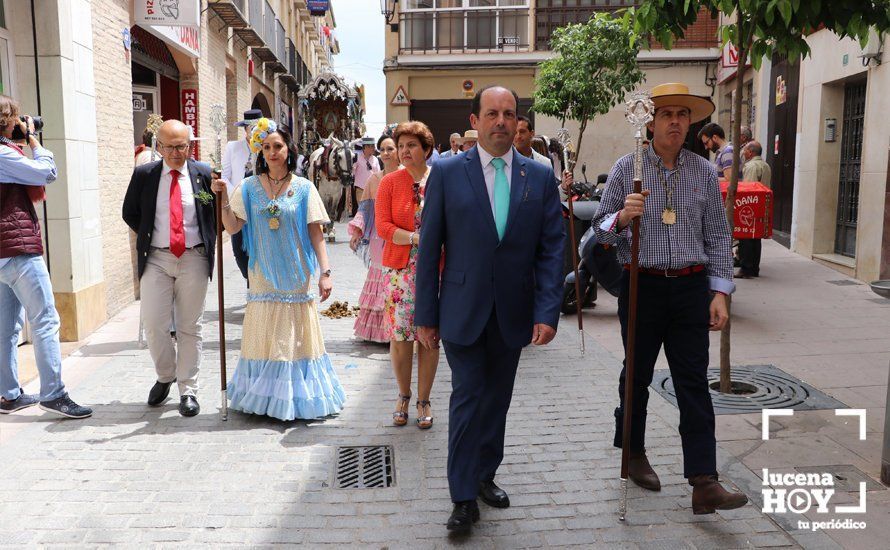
(145, 104)
(781, 150)
(446, 116)
(851, 164)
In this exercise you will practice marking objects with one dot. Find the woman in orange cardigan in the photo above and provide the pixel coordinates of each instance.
(399, 203)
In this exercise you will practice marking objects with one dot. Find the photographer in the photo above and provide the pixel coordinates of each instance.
(24, 279)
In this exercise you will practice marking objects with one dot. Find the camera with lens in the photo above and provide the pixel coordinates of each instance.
(18, 134)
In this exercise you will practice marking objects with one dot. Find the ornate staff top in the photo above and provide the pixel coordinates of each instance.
(153, 125)
(639, 111)
(568, 148)
(218, 124)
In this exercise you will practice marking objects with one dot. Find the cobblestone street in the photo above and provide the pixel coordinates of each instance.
(139, 476)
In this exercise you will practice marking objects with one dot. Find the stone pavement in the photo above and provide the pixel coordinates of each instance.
(139, 476)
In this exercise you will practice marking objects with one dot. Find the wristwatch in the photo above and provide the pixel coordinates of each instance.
(326, 273)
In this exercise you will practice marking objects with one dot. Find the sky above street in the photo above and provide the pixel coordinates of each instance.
(360, 29)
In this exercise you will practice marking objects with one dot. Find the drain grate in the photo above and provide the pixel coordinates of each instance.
(364, 467)
(844, 282)
(766, 387)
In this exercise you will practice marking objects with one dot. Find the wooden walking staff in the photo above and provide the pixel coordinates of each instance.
(569, 158)
(218, 123)
(639, 112)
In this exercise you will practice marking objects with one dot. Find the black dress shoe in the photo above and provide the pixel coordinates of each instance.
(463, 516)
(159, 393)
(188, 405)
(493, 495)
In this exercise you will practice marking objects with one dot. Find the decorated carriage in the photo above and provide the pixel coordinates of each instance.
(330, 112)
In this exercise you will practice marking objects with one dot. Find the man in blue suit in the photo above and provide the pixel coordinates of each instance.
(498, 216)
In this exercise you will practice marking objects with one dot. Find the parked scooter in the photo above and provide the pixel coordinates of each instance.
(586, 199)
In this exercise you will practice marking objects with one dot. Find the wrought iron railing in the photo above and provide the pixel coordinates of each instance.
(255, 7)
(279, 46)
(464, 30)
(269, 27)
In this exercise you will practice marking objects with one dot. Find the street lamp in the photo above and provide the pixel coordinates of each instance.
(388, 9)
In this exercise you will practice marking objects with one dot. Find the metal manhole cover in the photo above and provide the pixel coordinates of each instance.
(767, 388)
(844, 282)
(364, 467)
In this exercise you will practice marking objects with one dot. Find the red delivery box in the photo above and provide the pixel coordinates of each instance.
(753, 210)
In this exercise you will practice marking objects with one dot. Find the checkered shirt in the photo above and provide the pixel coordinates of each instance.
(701, 234)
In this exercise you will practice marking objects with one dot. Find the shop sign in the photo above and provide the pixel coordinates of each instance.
(173, 13)
(189, 103)
(318, 7)
(186, 40)
(729, 63)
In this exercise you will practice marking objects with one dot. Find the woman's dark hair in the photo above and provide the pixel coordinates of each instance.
(383, 138)
(146, 137)
(262, 167)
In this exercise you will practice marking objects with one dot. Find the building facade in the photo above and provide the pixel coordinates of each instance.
(440, 52)
(841, 214)
(98, 75)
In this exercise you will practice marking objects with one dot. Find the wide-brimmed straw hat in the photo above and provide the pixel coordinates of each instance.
(470, 135)
(677, 93)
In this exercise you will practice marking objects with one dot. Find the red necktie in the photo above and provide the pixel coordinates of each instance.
(177, 231)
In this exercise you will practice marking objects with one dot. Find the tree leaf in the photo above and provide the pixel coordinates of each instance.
(785, 9)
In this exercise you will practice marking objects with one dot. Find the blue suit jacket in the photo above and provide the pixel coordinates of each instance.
(521, 276)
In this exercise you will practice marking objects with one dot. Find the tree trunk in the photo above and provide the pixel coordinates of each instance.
(582, 127)
(725, 339)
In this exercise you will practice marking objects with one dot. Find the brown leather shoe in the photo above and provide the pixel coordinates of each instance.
(641, 473)
(708, 495)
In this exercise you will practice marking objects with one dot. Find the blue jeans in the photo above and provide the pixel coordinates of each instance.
(24, 283)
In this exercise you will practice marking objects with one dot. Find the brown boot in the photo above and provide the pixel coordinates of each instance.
(641, 473)
(708, 495)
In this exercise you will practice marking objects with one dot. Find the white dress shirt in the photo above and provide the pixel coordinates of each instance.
(488, 171)
(160, 236)
(234, 162)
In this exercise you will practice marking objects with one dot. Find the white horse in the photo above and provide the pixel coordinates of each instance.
(330, 169)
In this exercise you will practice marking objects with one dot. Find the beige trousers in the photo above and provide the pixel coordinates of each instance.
(175, 287)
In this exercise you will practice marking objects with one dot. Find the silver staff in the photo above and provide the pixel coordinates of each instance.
(218, 124)
(569, 157)
(639, 112)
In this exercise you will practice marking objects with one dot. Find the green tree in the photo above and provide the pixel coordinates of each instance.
(759, 28)
(595, 66)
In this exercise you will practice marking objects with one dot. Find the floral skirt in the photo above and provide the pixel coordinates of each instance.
(400, 300)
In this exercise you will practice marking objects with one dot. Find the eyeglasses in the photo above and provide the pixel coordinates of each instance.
(171, 148)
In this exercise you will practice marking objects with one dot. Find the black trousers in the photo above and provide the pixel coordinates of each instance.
(482, 376)
(674, 312)
(749, 256)
(240, 255)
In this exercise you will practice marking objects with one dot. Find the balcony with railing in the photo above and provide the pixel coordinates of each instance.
(463, 26)
(269, 52)
(252, 34)
(231, 12)
(552, 14)
(291, 76)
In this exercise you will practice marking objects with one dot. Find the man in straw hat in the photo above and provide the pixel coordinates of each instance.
(685, 275)
(469, 140)
(235, 166)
